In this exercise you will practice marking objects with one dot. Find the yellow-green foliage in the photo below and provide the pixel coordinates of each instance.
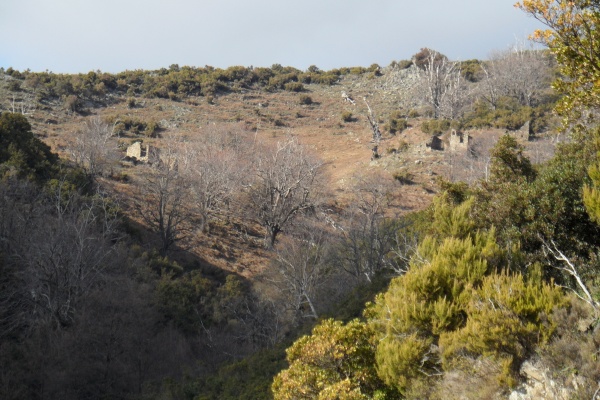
(335, 362)
(430, 299)
(505, 319)
(454, 302)
(591, 195)
(591, 192)
(452, 221)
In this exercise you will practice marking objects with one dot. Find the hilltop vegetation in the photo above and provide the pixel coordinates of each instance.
(288, 242)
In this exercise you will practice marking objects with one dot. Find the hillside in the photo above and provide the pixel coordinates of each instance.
(265, 210)
(270, 116)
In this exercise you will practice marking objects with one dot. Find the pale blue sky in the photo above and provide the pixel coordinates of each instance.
(115, 35)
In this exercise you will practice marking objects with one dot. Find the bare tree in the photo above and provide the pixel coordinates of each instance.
(521, 73)
(60, 244)
(440, 84)
(376, 132)
(457, 96)
(91, 150)
(285, 185)
(215, 167)
(301, 270)
(367, 235)
(165, 198)
(25, 105)
(569, 268)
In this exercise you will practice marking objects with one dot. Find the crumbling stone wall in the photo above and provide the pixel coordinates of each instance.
(143, 153)
(459, 141)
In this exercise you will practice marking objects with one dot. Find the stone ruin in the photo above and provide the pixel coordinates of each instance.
(459, 141)
(434, 143)
(143, 153)
(456, 142)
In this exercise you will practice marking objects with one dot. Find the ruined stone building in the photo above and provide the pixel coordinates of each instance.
(434, 143)
(459, 141)
(143, 153)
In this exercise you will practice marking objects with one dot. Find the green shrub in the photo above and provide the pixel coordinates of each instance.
(435, 126)
(414, 113)
(151, 129)
(404, 177)
(471, 70)
(403, 146)
(325, 79)
(455, 302)
(279, 81)
(305, 100)
(335, 362)
(508, 114)
(404, 64)
(397, 122)
(21, 151)
(14, 85)
(347, 116)
(72, 103)
(358, 70)
(306, 78)
(294, 87)
(375, 70)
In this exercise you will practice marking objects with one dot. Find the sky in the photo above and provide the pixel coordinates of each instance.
(72, 36)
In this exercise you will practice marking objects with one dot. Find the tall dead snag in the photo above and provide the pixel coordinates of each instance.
(521, 73)
(376, 132)
(569, 268)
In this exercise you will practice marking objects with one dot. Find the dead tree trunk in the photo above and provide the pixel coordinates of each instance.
(376, 132)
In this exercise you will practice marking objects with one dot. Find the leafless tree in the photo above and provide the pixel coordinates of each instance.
(165, 197)
(375, 128)
(568, 267)
(301, 269)
(25, 105)
(216, 167)
(521, 73)
(440, 85)
(367, 234)
(91, 149)
(260, 322)
(285, 185)
(457, 96)
(61, 244)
